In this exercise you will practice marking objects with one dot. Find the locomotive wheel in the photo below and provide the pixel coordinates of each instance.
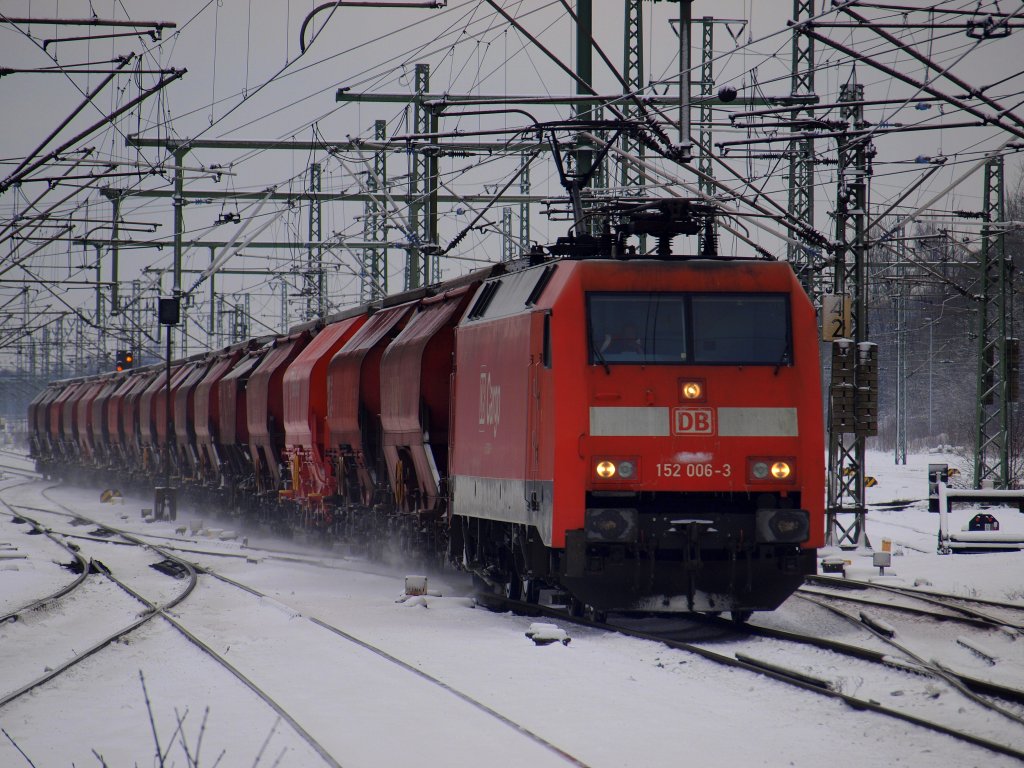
(581, 610)
(530, 591)
(482, 588)
(575, 608)
(740, 617)
(590, 613)
(513, 588)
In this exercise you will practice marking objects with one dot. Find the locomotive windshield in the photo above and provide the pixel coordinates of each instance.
(694, 328)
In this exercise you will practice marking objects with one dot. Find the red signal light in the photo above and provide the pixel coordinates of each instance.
(123, 360)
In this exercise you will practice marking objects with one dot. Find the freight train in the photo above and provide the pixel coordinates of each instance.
(615, 432)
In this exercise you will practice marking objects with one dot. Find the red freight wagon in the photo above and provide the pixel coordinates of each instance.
(147, 408)
(184, 415)
(100, 427)
(42, 446)
(114, 416)
(179, 373)
(233, 419)
(49, 418)
(62, 419)
(415, 376)
(353, 403)
(83, 419)
(134, 416)
(265, 408)
(206, 413)
(653, 422)
(311, 477)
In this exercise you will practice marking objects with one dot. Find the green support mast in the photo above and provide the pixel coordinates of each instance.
(801, 158)
(998, 356)
(853, 414)
(374, 273)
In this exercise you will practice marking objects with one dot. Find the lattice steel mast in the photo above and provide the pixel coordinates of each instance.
(998, 356)
(853, 391)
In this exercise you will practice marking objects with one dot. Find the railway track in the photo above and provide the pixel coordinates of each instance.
(937, 605)
(783, 661)
(249, 674)
(19, 471)
(89, 647)
(48, 599)
(790, 669)
(153, 611)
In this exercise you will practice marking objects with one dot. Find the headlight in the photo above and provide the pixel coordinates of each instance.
(616, 468)
(771, 469)
(691, 390)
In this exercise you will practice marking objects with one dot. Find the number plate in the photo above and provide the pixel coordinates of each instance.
(694, 469)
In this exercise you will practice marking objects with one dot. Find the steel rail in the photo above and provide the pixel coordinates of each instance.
(789, 677)
(281, 555)
(540, 740)
(29, 473)
(265, 697)
(66, 589)
(909, 609)
(935, 598)
(977, 685)
(311, 740)
(96, 647)
(934, 668)
(162, 611)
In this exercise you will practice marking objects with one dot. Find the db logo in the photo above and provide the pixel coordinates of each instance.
(490, 403)
(693, 421)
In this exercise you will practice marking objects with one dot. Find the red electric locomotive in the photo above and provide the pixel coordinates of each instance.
(644, 434)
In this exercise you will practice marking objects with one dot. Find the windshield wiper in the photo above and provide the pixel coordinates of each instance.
(782, 360)
(599, 357)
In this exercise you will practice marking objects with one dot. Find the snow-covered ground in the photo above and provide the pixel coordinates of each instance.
(605, 700)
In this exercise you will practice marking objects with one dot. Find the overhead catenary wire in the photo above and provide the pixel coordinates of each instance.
(763, 177)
